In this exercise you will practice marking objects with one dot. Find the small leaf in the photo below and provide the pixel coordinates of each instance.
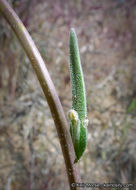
(132, 107)
(77, 117)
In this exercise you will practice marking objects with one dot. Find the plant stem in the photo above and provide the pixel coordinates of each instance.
(48, 89)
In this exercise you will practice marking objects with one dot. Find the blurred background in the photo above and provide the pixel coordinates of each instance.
(30, 154)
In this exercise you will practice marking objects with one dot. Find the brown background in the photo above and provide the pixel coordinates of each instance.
(30, 154)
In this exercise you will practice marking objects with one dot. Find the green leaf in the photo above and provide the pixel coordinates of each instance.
(132, 107)
(79, 131)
